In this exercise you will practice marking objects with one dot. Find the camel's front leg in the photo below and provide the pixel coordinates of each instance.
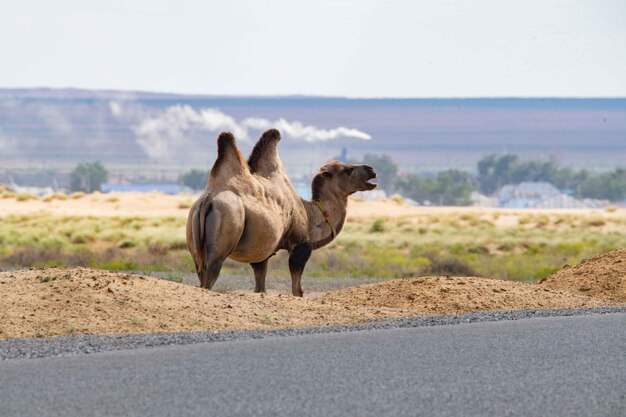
(260, 270)
(298, 258)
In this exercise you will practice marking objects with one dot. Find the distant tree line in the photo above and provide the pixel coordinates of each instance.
(496, 170)
(448, 188)
(88, 177)
(195, 179)
(453, 187)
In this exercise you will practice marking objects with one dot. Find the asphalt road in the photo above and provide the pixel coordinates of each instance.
(556, 366)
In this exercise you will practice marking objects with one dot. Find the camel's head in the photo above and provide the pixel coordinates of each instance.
(345, 178)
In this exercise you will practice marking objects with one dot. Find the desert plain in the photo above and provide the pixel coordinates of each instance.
(117, 263)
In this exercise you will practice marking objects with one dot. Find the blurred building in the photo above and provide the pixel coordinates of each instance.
(343, 156)
(533, 195)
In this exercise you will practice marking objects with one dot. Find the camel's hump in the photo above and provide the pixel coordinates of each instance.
(271, 134)
(264, 158)
(229, 160)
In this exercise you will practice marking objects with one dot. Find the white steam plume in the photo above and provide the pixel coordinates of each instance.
(297, 130)
(116, 108)
(54, 117)
(161, 134)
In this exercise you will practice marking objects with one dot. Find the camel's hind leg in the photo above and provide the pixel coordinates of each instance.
(260, 271)
(298, 258)
(209, 272)
(223, 227)
(215, 255)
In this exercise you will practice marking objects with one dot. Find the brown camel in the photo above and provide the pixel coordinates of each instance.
(250, 210)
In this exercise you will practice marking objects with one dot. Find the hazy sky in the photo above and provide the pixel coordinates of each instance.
(359, 48)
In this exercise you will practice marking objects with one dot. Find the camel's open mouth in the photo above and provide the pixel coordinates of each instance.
(370, 185)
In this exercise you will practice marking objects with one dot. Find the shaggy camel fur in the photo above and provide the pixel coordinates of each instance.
(250, 210)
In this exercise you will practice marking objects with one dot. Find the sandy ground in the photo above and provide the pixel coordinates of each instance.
(60, 301)
(453, 295)
(157, 204)
(111, 204)
(602, 277)
(57, 301)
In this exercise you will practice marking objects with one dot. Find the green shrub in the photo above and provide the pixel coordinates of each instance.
(451, 266)
(478, 249)
(82, 237)
(53, 243)
(378, 226)
(115, 264)
(457, 249)
(174, 276)
(545, 271)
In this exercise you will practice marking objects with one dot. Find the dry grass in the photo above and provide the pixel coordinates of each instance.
(77, 195)
(388, 240)
(55, 196)
(25, 197)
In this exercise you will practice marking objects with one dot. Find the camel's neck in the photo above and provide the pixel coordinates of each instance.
(320, 232)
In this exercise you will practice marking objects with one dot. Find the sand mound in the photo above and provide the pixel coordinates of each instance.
(447, 295)
(602, 277)
(59, 301)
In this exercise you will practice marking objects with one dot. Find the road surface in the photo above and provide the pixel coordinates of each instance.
(555, 366)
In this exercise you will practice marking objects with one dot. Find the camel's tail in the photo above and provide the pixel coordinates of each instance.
(198, 228)
(230, 162)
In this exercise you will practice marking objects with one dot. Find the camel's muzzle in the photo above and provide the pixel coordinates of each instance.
(370, 174)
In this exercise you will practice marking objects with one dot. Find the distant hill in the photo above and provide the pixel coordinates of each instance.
(166, 133)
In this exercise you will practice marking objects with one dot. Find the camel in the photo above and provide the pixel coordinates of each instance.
(250, 210)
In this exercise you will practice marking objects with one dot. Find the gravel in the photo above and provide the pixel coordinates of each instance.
(91, 343)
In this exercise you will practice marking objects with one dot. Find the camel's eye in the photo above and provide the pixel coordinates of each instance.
(349, 170)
